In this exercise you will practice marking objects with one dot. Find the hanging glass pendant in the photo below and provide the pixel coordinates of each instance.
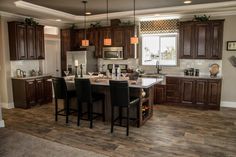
(85, 41)
(107, 40)
(134, 39)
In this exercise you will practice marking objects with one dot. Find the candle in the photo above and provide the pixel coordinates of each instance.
(76, 63)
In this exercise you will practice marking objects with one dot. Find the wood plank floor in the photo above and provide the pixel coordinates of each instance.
(172, 131)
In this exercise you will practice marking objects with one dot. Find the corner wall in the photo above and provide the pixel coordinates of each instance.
(228, 96)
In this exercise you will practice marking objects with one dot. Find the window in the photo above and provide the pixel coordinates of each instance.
(159, 47)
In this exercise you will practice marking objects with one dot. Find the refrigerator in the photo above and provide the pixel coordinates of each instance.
(85, 57)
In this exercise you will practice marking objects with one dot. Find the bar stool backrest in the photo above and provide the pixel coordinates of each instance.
(83, 90)
(60, 88)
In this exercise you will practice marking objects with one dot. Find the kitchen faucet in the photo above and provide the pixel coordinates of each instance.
(158, 67)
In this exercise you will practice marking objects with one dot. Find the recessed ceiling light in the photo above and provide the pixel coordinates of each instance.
(187, 2)
(58, 20)
(157, 14)
(88, 13)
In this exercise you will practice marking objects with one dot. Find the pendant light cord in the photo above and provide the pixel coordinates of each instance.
(134, 12)
(107, 12)
(85, 9)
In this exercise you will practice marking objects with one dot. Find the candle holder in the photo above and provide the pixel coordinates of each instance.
(81, 70)
(76, 74)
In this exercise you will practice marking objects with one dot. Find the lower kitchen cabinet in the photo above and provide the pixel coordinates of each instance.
(196, 92)
(29, 92)
(159, 94)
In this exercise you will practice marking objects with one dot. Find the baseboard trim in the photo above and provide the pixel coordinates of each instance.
(2, 124)
(7, 105)
(229, 104)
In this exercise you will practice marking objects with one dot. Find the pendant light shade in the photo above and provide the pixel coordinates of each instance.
(107, 39)
(134, 39)
(85, 42)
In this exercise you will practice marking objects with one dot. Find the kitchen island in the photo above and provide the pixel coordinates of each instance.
(143, 88)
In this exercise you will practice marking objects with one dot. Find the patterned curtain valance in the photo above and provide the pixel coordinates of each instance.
(160, 26)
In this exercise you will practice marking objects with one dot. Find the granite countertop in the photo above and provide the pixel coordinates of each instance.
(200, 76)
(31, 77)
(140, 83)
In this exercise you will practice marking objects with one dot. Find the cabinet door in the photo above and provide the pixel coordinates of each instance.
(159, 94)
(103, 33)
(202, 41)
(30, 92)
(186, 40)
(201, 93)
(93, 36)
(214, 94)
(21, 49)
(216, 39)
(65, 46)
(187, 91)
(76, 38)
(47, 90)
(31, 54)
(118, 37)
(39, 83)
(173, 89)
(129, 49)
(39, 42)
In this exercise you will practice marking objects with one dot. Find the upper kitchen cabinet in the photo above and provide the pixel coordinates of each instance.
(25, 42)
(201, 40)
(130, 50)
(39, 42)
(186, 40)
(118, 36)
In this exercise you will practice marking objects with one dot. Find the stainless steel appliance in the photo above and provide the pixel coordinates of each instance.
(84, 57)
(113, 53)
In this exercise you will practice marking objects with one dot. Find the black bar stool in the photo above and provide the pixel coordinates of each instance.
(61, 92)
(120, 97)
(86, 95)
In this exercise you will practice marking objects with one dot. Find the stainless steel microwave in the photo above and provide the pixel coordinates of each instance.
(113, 53)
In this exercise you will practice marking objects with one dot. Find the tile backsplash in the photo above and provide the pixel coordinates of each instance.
(25, 65)
(201, 64)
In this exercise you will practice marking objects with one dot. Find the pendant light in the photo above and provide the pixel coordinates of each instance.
(85, 42)
(107, 40)
(134, 39)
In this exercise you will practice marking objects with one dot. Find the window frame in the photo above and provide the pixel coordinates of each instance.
(161, 35)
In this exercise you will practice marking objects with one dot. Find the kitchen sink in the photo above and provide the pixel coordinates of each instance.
(153, 75)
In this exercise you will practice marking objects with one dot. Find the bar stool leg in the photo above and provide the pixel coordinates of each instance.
(79, 112)
(127, 129)
(112, 118)
(67, 111)
(103, 109)
(91, 115)
(56, 110)
(120, 115)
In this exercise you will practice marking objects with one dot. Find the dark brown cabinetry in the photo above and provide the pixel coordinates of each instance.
(172, 89)
(25, 42)
(39, 42)
(197, 92)
(159, 94)
(201, 40)
(187, 91)
(28, 92)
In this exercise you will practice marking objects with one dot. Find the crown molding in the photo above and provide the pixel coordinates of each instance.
(181, 11)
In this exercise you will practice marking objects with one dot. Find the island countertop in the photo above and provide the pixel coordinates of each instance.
(140, 83)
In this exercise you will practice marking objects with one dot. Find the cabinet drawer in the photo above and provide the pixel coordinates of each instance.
(172, 87)
(172, 80)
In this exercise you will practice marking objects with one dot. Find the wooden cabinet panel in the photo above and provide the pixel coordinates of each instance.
(93, 36)
(21, 48)
(30, 92)
(202, 35)
(201, 40)
(103, 33)
(47, 90)
(130, 50)
(187, 91)
(214, 94)
(159, 94)
(65, 46)
(187, 40)
(39, 42)
(30, 42)
(201, 92)
(39, 84)
(172, 89)
(118, 37)
(216, 39)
